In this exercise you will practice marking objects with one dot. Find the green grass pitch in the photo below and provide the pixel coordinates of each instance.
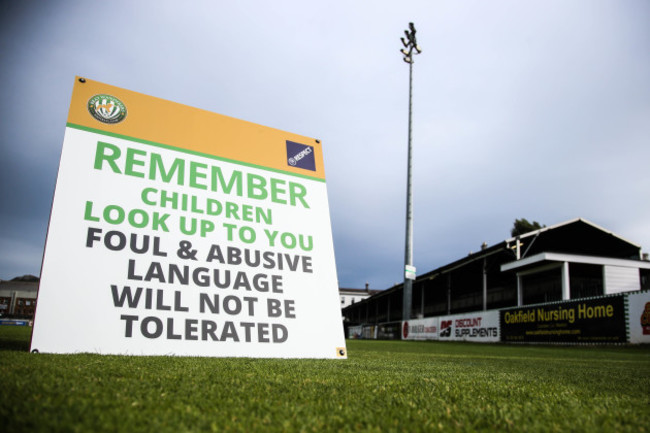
(384, 386)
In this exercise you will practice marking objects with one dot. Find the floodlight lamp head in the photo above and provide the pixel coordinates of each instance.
(412, 27)
(407, 59)
(403, 51)
(418, 49)
(404, 42)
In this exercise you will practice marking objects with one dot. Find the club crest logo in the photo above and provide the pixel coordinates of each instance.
(106, 108)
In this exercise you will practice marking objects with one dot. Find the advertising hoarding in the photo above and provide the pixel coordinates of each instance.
(482, 327)
(596, 320)
(420, 329)
(479, 327)
(177, 231)
(639, 317)
(355, 332)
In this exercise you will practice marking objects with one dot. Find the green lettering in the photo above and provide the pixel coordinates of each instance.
(218, 180)
(132, 161)
(232, 210)
(88, 213)
(102, 154)
(247, 213)
(157, 167)
(256, 186)
(297, 192)
(277, 190)
(260, 215)
(145, 196)
(195, 174)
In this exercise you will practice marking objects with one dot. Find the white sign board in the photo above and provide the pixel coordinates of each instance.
(176, 231)
(478, 327)
(355, 332)
(420, 329)
(409, 272)
(639, 317)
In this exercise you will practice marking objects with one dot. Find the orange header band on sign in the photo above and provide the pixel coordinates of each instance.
(144, 118)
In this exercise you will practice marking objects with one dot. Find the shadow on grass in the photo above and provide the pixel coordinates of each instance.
(18, 346)
(15, 338)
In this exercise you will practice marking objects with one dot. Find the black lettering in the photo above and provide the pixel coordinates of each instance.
(247, 329)
(158, 327)
(229, 331)
(208, 328)
(170, 330)
(128, 332)
(280, 333)
(126, 295)
(190, 329)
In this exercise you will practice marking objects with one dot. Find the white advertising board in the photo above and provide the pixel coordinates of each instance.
(355, 332)
(639, 317)
(480, 327)
(420, 329)
(176, 231)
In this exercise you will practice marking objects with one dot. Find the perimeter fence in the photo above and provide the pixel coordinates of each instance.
(613, 319)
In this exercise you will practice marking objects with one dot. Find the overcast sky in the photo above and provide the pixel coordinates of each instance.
(534, 109)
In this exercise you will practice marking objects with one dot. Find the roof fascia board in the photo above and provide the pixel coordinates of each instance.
(574, 258)
(542, 268)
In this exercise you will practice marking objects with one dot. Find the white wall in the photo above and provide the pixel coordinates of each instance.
(619, 279)
(352, 299)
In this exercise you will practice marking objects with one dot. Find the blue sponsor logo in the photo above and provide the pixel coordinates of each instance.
(301, 156)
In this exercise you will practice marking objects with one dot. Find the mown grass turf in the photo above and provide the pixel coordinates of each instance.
(382, 387)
